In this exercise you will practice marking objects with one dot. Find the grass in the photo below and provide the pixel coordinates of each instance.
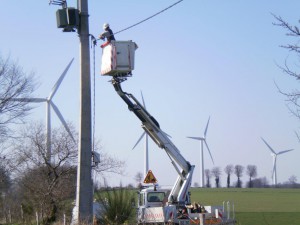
(268, 218)
(257, 206)
(262, 206)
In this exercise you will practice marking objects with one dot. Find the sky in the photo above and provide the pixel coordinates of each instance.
(199, 59)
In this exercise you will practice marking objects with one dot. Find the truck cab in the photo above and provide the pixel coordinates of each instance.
(151, 197)
(153, 206)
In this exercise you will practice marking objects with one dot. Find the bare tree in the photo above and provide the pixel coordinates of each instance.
(14, 83)
(9, 197)
(289, 68)
(208, 176)
(228, 170)
(45, 184)
(108, 164)
(138, 178)
(293, 180)
(216, 171)
(252, 173)
(238, 171)
(4, 177)
(5, 184)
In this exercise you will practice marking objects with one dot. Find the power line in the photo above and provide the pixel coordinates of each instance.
(127, 28)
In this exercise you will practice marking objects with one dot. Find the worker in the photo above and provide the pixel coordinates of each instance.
(108, 34)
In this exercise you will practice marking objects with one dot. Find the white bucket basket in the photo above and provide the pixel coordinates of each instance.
(118, 58)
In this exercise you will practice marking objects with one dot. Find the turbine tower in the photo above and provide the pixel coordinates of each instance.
(49, 104)
(146, 151)
(274, 155)
(203, 141)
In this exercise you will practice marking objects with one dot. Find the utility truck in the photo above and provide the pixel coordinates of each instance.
(163, 206)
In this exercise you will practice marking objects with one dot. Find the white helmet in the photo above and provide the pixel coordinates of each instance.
(105, 25)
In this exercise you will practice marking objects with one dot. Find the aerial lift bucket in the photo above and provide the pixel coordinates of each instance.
(118, 58)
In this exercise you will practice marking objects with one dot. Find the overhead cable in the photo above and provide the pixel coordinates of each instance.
(149, 17)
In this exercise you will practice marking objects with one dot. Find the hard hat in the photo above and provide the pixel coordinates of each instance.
(105, 25)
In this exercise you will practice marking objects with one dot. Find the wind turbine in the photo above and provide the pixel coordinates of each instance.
(146, 151)
(49, 104)
(203, 140)
(274, 155)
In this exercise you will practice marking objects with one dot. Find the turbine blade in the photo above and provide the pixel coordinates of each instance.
(143, 100)
(269, 146)
(62, 120)
(285, 151)
(35, 100)
(143, 134)
(196, 138)
(209, 152)
(58, 82)
(206, 127)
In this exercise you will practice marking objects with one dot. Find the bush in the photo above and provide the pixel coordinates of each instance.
(115, 206)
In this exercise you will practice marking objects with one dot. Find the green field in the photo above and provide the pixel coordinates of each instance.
(255, 206)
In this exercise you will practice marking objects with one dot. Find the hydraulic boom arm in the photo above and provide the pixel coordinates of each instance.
(179, 192)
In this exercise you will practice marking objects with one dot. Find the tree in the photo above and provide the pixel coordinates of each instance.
(252, 173)
(238, 171)
(216, 171)
(293, 181)
(14, 83)
(228, 170)
(109, 164)
(4, 178)
(292, 97)
(5, 184)
(208, 176)
(49, 191)
(138, 178)
(45, 185)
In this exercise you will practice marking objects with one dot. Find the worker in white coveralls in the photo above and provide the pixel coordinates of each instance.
(107, 34)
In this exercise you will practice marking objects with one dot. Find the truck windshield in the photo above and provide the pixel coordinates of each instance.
(155, 196)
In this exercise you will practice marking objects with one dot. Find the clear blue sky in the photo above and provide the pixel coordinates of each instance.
(198, 59)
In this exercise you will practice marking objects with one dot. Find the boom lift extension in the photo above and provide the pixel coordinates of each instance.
(179, 193)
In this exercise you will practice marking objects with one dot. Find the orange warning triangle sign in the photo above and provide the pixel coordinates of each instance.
(150, 178)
